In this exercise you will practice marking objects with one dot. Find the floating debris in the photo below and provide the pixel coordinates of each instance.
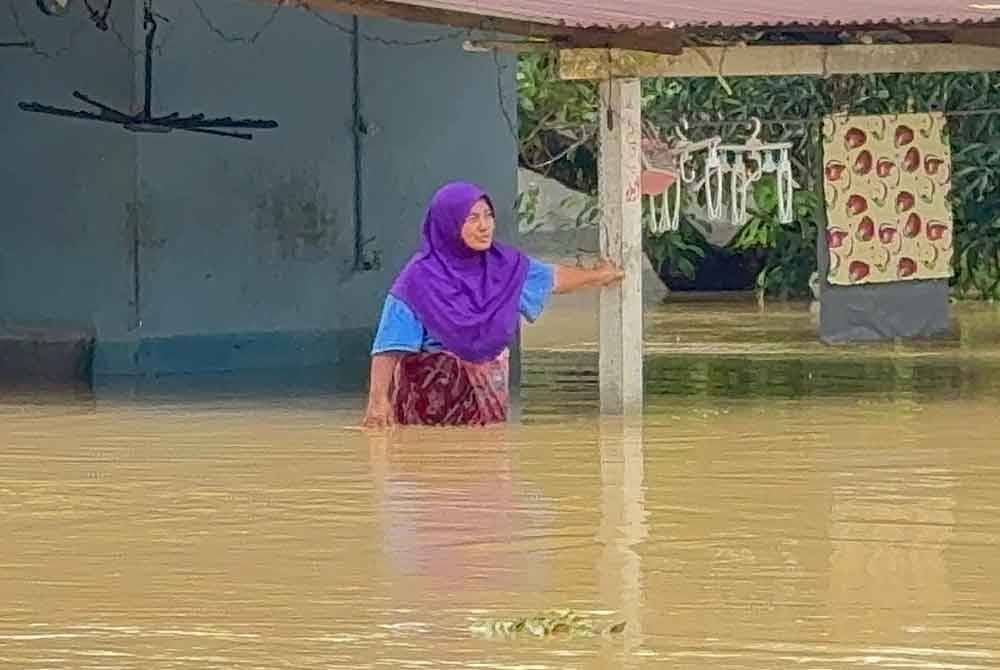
(547, 624)
(619, 627)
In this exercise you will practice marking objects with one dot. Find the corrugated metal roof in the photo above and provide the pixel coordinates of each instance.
(623, 14)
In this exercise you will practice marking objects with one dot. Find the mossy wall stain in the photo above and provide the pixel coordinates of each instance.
(295, 218)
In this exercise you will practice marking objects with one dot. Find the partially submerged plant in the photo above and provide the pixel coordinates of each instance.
(547, 624)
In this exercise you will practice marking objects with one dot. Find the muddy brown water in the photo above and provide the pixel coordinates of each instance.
(782, 504)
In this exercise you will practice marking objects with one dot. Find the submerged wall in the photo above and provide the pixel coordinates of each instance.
(187, 253)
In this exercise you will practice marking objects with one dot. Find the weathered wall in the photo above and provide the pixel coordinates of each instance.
(245, 249)
(64, 244)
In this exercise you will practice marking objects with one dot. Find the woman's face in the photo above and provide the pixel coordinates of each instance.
(477, 231)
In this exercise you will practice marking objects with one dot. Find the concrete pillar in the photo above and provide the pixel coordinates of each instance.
(619, 174)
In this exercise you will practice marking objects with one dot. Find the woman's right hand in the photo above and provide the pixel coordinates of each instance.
(607, 272)
(379, 415)
(569, 279)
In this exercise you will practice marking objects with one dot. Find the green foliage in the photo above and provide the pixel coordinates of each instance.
(556, 122)
(526, 208)
(679, 251)
(558, 115)
(977, 249)
(976, 202)
(791, 247)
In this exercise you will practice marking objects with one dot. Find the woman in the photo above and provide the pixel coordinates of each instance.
(440, 353)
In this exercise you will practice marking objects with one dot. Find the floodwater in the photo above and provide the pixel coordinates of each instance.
(783, 504)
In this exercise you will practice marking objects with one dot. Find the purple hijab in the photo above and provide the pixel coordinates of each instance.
(468, 300)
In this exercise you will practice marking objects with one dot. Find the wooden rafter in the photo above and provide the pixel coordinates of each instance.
(740, 61)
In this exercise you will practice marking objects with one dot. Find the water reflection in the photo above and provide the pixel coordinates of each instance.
(622, 527)
(448, 519)
(891, 522)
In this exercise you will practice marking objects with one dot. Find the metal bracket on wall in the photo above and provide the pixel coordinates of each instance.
(370, 259)
(145, 122)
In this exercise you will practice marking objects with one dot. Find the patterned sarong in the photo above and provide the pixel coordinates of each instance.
(440, 389)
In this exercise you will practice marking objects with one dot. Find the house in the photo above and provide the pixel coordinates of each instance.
(189, 254)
